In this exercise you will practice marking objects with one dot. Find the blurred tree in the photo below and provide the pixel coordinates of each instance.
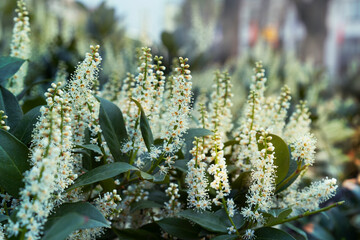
(313, 15)
(229, 27)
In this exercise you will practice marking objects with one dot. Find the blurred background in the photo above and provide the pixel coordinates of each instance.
(313, 46)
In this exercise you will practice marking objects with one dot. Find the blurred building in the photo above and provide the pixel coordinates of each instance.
(343, 41)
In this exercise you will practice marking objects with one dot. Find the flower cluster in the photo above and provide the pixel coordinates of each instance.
(85, 105)
(304, 149)
(178, 109)
(247, 152)
(262, 187)
(173, 206)
(299, 123)
(219, 171)
(196, 180)
(20, 46)
(220, 104)
(309, 198)
(52, 165)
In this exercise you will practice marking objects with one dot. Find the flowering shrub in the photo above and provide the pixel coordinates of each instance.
(145, 160)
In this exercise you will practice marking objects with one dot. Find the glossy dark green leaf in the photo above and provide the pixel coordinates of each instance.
(144, 204)
(297, 230)
(226, 237)
(3, 217)
(13, 163)
(282, 156)
(135, 234)
(145, 127)
(242, 181)
(94, 218)
(181, 165)
(292, 168)
(237, 218)
(10, 105)
(113, 127)
(146, 176)
(9, 66)
(160, 177)
(179, 228)
(101, 173)
(64, 226)
(33, 102)
(268, 233)
(274, 216)
(91, 147)
(207, 220)
(320, 233)
(25, 128)
(191, 134)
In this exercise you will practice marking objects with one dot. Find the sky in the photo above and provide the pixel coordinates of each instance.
(143, 18)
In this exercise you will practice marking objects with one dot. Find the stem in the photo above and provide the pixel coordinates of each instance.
(297, 172)
(307, 214)
(230, 219)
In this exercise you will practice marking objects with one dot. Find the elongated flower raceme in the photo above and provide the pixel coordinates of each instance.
(259, 197)
(299, 123)
(196, 181)
(219, 171)
(20, 46)
(250, 123)
(274, 112)
(221, 100)
(51, 160)
(85, 106)
(146, 88)
(309, 198)
(178, 110)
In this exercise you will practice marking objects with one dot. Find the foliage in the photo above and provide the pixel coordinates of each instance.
(141, 158)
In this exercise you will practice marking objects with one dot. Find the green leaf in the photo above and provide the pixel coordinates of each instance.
(179, 228)
(144, 204)
(24, 129)
(237, 218)
(160, 177)
(93, 216)
(64, 226)
(275, 216)
(191, 134)
(33, 102)
(3, 217)
(134, 234)
(297, 230)
(13, 163)
(101, 173)
(9, 66)
(320, 233)
(292, 168)
(10, 105)
(242, 181)
(225, 237)
(181, 165)
(282, 156)
(146, 176)
(113, 127)
(145, 127)
(267, 233)
(207, 220)
(91, 147)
